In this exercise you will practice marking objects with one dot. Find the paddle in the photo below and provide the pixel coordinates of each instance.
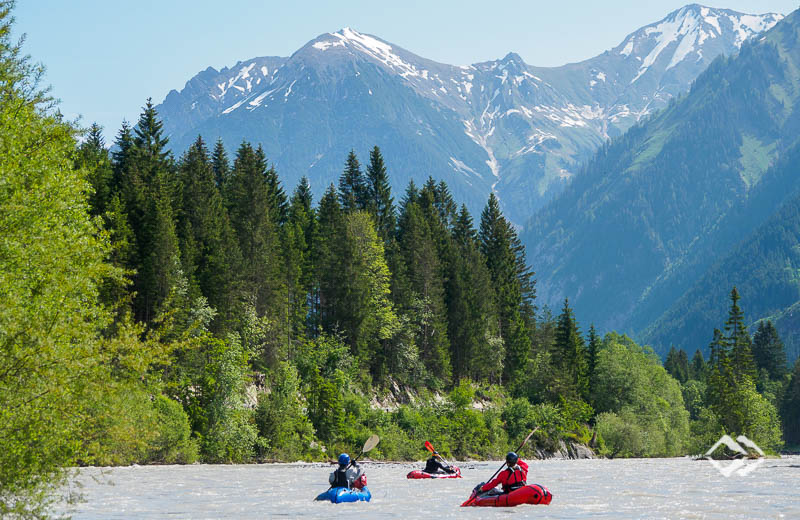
(371, 443)
(471, 499)
(430, 448)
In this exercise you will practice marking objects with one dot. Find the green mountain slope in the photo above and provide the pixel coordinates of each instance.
(657, 207)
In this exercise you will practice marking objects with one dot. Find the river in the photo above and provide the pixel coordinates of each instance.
(635, 488)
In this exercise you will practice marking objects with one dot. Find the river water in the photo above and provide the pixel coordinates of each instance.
(637, 488)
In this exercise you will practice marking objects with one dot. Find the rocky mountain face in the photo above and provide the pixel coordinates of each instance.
(504, 126)
(663, 221)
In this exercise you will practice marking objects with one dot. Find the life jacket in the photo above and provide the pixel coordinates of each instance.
(433, 466)
(514, 480)
(340, 478)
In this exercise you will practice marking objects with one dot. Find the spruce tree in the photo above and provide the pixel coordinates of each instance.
(593, 347)
(768, 351)
(298, 234)
(210, 252)
(94, 158)
(737, 340)
(697, 369)
(326, 256)
(276, 196)
(220, 163)
(352, 186)
(379, 195)
(252, 218)
(569, 353)
(149, 188)
(121, 156)
(423, 297)
(497, 245)
(790, 408)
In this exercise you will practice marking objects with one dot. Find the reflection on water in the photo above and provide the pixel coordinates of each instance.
(641, 488)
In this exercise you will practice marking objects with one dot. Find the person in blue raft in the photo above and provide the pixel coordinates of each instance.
(348, 483)
(346, 474)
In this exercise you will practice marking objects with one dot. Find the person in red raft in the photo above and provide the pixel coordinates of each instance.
(436, 467)
(511, 478)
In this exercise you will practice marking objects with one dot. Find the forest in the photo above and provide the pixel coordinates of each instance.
(158, 309)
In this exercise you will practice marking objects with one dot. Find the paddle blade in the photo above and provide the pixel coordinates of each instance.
(429, 447)
(527, 439)
(470, 500)
(371, 443)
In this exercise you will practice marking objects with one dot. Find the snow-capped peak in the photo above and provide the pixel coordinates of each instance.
(684, 32)
(369, 45)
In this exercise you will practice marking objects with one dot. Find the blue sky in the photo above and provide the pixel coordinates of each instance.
(106, 57)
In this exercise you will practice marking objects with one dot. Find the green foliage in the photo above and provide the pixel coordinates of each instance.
(622, 435)
(209, 250)
(644, 402)
(732, 394)
(499, 241)
(677, 364)
(231, 434)
(570, 355)
(694, 393)
(51, 270)
(173, 444)
(768, 351)
(697, 370)
(250, 201)
(790, 408)
(286, 431)
(352, 185)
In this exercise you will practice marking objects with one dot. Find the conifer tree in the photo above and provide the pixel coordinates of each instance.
(352, 186)
(276, 195)
(737, 340)
(379, 195)
(121, 156)
(790, 408)
(423, 297)
(219, 161)
(497, 245)
(354, 282)
(410, 194)
(697, 369)
(768, 351)
(570, 353)
(94, 158)
(298, 234)
(149, 188)
(326, 271)
(677, 364)
(252, 218)
(209, 249)
(471, 315)
(593, 347)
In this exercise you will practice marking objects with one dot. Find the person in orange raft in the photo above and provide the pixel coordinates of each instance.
(511, 478)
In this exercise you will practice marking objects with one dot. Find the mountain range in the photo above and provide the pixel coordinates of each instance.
(646, 181)
(504, 126)
(704, 195)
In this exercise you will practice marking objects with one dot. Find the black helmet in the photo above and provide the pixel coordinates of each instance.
(512, 458)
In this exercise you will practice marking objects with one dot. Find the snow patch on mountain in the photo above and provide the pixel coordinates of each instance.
(685, 31)
(463, 168)
(380, 51)
(328, 44)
